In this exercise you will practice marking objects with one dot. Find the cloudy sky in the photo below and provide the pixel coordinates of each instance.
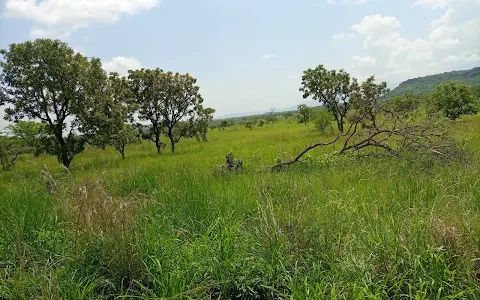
(248, 55)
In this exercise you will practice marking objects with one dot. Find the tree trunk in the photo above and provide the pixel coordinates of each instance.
(172, 139)
(340, 124)
(122, 151)
(157, 143)
(65, 160)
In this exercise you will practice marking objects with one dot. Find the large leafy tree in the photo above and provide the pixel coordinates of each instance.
(181, 101)
(106, 117)
(454, 99)
(332, 88)
(149, 91)
(46, 80)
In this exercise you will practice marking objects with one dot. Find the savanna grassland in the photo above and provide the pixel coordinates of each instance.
(175, 227)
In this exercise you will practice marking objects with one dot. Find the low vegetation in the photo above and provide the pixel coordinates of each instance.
(364, 199)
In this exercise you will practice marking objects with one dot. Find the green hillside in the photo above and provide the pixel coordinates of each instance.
(426, 84)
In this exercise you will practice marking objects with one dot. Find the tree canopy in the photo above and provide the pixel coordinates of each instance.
(46, 80)
(454, 99)
(332, 88)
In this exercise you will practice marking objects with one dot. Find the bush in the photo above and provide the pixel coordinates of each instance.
(323, 120)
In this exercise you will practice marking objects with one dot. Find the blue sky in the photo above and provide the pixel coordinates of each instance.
(249, 55)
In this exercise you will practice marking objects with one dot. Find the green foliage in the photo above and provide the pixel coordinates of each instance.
(454, 99)
(366, 97)
(9, 148)
(150, 227)
(405, 104)
(115, 106)
(30, 134)
(180, 99)
(331, 88)
(127, 135)
(304, 113)
(323, 120)
(261, 122)
(33, 84)
(271, 119)
(224, 124)
(146, 85)
(202, 122)
(249, 123)
(423, 85)
(165, 99)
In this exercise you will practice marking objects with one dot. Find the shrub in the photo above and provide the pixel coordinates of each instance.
(323, 120)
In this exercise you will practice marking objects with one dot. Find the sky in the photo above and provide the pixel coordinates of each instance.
(249, 55)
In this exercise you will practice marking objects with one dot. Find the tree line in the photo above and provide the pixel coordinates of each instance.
(403, 124)
(71, 101)
(77, 103)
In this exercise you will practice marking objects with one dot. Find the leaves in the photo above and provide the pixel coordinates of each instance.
(165, 99)
(454, 99)
(331, 88)
(304, 112)
(46, 80)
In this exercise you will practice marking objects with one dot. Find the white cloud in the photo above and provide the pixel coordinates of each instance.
(432, 3)
(376, 24)
(268, 56)
(121, 65)
(462, 58)
(342, 36)
(37, 32)
(366, 60)
(450, 40)
(358, 2)
(60, 17)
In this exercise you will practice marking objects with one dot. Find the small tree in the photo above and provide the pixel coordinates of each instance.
(261, 122)
(249, 123)
(271, 119)
(223, 124)
(9, 151)
(201, 123)
(304, 113)
(454, 99)
(29, 134)
(323, 120)
(127, 135)
(331, 88)
(365, 99)
(405, 104)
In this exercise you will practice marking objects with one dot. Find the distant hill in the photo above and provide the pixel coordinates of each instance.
(427, 84)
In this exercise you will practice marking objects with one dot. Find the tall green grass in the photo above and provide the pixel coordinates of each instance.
(168, 226)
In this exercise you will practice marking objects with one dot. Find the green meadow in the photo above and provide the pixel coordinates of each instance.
(174, 226)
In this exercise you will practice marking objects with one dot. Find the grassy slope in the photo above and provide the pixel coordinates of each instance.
(161, 226)
(422, 85)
